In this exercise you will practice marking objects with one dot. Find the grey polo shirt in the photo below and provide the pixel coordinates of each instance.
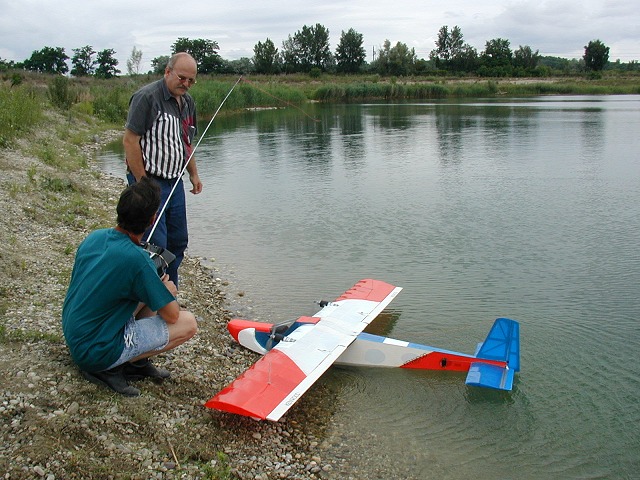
(166, 131)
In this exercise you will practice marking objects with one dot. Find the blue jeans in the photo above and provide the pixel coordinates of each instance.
(171, 232)
(142, 336)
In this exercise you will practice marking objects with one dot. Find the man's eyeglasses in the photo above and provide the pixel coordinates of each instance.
(181, 79)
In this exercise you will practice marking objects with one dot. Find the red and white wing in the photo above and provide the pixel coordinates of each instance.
(274, 383)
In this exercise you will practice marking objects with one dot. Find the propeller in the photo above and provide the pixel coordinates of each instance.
(277, 333)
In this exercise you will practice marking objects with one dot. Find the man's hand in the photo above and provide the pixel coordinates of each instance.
(197, 184)
(169, 284)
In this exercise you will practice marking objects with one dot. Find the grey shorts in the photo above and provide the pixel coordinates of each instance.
(141, 336)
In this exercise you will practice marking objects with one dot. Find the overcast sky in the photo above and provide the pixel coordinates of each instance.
(554, 27)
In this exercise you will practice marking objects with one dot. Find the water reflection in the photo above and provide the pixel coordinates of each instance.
(475, 395)
(384, 323)
(450, 123)
(593, 132)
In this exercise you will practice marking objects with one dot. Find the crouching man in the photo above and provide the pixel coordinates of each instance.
(118, 312)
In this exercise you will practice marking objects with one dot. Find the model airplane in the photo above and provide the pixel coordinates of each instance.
(298, 352)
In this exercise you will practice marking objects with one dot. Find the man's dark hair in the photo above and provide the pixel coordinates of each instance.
(137, 205)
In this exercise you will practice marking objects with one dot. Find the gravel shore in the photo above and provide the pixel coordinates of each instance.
(56, 425)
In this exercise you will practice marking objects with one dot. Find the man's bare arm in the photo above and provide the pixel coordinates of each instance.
(133, 153)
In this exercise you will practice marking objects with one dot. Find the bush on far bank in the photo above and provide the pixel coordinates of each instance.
(24, 95)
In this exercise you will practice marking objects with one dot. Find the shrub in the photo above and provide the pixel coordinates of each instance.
(20, 111)
(60, 95)
(112, 105)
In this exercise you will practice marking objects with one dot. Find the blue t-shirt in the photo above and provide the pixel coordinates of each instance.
(111, 275)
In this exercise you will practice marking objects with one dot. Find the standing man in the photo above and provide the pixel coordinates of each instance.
(118, 312)
(157, 141)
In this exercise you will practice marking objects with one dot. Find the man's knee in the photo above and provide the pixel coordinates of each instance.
(183, 330)
(189, 324)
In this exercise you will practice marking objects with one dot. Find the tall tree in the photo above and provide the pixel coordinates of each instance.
(314, 43)
(134, 62)
(397, 60)
(158, 64)
(265, 57)
(350, 53)
(107, 64)
(451, 53)
(242, 65)
(203, 51)
(497, 53)
(290, 55)
(83, 62)
(466, 60)
(48, 60)
(596, 55)
(525, 57)
(307, 49)
(381, 63)
(401, 59)
(211, 64)
(7, 64)
(448, 46)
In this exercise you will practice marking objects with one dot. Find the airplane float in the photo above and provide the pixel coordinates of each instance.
(298, 352)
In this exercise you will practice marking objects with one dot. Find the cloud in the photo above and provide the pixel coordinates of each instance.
(560, 28)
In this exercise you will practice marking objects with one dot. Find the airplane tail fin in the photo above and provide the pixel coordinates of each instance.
(501, 345)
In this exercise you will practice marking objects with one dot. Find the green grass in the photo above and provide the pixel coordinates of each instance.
(356, 92)
(7, 336)
(569, 88)
(421, 90)
(110, 102)
(21, 110)
(209, 94)
(218, 469)
(4, 305)
(106, 101)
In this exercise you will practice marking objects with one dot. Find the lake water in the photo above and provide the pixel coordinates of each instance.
(523, 208)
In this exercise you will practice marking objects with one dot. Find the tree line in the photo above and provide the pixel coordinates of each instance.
(308, 51)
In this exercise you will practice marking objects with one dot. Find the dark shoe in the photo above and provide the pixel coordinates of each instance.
(144, 369)
(113, 379)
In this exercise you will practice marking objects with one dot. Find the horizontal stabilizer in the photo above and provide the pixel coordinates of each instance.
(490, 376)
(502, 343)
